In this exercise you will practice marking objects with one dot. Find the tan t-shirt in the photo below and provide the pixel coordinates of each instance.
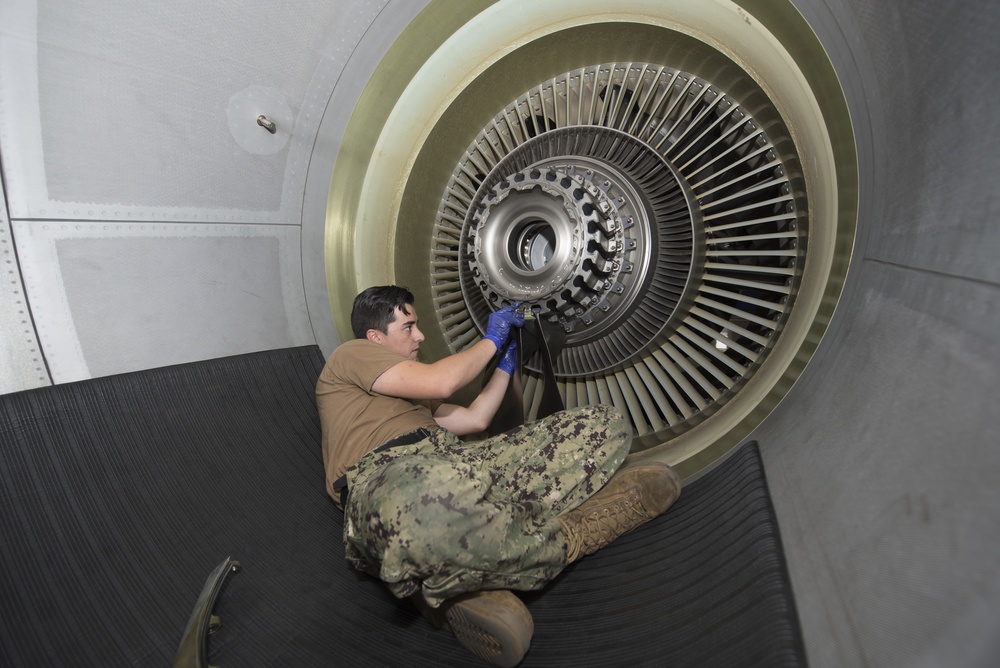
(356, 420)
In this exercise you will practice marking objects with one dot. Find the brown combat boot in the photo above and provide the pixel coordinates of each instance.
(635, 494)
(493, 625)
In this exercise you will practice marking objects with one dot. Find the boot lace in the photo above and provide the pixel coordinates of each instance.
(592, 530)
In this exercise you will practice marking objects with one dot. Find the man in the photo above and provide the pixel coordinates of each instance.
(456, 525)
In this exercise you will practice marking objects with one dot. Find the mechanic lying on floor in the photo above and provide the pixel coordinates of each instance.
(457, 525)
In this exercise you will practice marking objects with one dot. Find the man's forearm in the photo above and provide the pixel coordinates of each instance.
(477, 417)
(488, 402)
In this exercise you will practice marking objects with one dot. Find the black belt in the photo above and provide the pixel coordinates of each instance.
(406, 439)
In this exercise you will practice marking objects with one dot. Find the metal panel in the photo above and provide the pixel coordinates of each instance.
(112, 297)
(882, 458)
(22, 365)
(125, 114)
(883, 467)
(936, 65)
(129, 107)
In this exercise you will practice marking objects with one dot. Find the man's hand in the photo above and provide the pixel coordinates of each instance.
(508, 363)
(500, 322)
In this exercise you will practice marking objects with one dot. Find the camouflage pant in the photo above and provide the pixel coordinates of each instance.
(447, 517)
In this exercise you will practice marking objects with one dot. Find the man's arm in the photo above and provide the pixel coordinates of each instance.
(414, 380)
(477, 417)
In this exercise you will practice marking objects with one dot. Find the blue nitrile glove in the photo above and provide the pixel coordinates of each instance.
(508, 363)
(500, 322)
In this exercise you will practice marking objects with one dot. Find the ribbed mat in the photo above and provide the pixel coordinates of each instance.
(120, 495)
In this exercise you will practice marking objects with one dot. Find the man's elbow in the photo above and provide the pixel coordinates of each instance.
(470, 424)
(481, 423)
(448, 386)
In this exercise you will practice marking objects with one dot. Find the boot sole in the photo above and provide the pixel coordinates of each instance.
(497, 631)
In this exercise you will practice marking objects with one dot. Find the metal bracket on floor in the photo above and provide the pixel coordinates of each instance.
(191, 653)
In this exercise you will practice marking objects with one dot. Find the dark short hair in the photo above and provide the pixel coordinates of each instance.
(376, 307)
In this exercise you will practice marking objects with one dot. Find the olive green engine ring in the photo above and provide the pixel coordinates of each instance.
(457, 64)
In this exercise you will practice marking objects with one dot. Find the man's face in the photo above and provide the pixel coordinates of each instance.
(403, 337)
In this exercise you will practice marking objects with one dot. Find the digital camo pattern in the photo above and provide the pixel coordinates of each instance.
(447, 517)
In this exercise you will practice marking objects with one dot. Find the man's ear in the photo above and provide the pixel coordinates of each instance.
(374, 336)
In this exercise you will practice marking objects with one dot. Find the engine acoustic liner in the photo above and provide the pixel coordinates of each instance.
(121, 494)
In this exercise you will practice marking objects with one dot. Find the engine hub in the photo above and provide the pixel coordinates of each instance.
(560, 241)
